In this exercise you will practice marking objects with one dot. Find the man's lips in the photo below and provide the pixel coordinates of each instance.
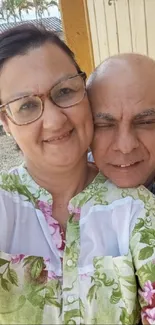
(132, 164)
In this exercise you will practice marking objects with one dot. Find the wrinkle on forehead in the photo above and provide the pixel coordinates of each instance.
(35, 72)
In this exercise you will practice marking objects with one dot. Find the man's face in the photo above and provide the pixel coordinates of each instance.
(124, 118)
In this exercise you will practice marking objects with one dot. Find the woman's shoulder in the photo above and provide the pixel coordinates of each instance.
(15, 184)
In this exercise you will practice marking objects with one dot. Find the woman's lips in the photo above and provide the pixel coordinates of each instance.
(59, 138)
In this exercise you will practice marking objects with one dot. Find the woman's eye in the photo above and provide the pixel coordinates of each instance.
(28, 106)
(64, 91)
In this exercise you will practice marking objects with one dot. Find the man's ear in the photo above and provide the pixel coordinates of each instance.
(4, 121)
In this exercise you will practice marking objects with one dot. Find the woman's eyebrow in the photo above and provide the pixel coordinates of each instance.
(27, 93)
(18, 95)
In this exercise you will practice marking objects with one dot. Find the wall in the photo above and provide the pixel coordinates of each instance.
(119, 26)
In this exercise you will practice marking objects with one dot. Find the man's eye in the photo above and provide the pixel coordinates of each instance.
(104, 126)
(143, 123)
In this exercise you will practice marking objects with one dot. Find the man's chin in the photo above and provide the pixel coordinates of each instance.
(126, 182)
(132, 176)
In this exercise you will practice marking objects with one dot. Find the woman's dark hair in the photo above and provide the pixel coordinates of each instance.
(20, 39)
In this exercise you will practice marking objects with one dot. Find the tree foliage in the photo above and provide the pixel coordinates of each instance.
(14, 9)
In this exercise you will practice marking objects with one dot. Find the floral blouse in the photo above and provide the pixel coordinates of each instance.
(102, 271)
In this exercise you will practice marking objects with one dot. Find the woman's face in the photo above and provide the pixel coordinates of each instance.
(60, 137)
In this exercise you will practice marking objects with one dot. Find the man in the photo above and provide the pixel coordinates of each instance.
(122, 96)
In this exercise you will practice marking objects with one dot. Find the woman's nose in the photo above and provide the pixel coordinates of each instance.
(53, 116)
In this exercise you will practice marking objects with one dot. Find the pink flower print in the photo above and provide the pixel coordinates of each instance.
(74, 210)
(17, 258)
(85, 276)
(149, 315)
(46, 209)
(57, 236)
(51, 275)
(148, 292)
(54, 227)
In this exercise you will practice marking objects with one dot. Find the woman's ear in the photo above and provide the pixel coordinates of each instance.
(4, 121)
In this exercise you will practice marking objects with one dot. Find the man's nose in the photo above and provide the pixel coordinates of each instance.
(125, 141)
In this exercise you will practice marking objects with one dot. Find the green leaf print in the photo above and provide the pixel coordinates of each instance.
(16, 307)
(12, 183)
(142, 197)
(50, 292)
(129, 263)
(132, 289)
(67, 250)
(132, 318)
(82, 307)
(147, 236)
(145, 253)
(21, 300)
(5, 284)
(91, 293)
(71, 314)
(98, 262)
(107, 282)
(130, 279)
(29, 260)
(125, 317)
(36, 300)
(86, 198)
(51, 301)
(37, 267)
(146, 272)
(12, 276)
(3, 262)
(116, 295)
(139, 225)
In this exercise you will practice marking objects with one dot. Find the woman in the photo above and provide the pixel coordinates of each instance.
(68, 238)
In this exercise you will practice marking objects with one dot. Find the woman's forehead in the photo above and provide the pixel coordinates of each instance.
(36, 71)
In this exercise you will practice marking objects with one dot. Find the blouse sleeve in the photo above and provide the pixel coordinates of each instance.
(142, 245)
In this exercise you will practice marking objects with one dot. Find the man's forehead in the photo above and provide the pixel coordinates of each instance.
(123, 92)
(126, 67)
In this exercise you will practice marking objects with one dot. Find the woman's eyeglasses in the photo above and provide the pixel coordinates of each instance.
(29, 108)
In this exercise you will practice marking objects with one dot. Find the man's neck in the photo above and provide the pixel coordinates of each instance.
(150, 183)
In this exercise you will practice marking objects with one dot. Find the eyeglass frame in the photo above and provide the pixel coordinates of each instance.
(42, 98)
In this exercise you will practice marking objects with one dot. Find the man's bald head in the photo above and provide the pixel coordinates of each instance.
(122, 96)
(122, 64)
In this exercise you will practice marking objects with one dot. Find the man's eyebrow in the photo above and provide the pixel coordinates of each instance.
(104, 116)
(147, 113)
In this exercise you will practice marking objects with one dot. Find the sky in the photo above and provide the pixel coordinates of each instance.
(53, 12)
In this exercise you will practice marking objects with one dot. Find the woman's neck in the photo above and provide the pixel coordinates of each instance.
(63, 186)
